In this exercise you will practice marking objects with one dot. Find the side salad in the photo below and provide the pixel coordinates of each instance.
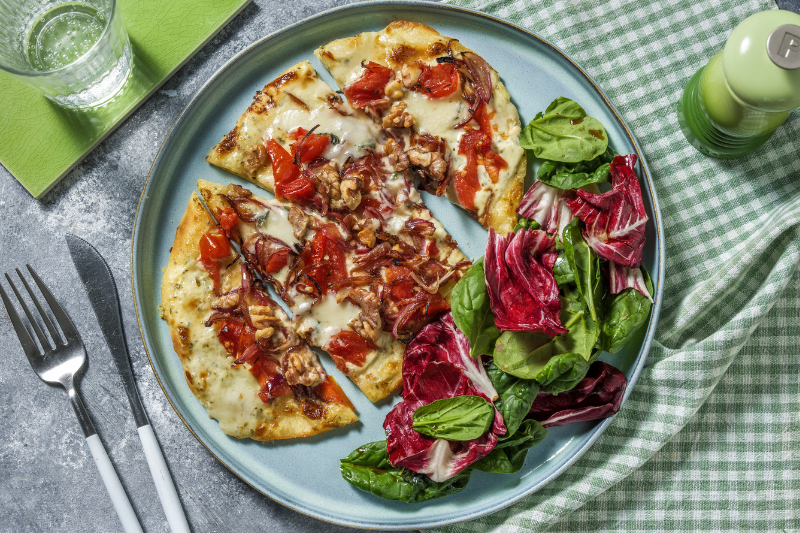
(518, 350)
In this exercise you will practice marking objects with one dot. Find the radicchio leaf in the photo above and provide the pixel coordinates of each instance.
(596, 396)
(437, 365)
(621, 278)
(615, 220)
(519, 276)
(547, 206)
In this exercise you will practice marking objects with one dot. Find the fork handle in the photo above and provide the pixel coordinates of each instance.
(164, 485)
(118, 497)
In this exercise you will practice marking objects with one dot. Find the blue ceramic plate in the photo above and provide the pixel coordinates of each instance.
(304, 474)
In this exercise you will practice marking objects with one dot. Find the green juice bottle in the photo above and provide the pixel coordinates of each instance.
(735, 103)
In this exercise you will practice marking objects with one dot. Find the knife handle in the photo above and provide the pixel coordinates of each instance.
(164, 485)
(118, 497)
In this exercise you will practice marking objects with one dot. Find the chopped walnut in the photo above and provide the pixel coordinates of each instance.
(261, 316)
(299, 222)
(363, 328)
(398, 117)
(370, 306)
(367, 237)
(328, 174)
(301, 367)
(255, 158)
(264, 334)
(394, 89)
(397, 157)
(226, 301)
(237, 191)
(410, 75)
(431, 162)
(350, 192)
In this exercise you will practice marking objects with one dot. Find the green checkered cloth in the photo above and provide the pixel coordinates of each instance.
(709, 439)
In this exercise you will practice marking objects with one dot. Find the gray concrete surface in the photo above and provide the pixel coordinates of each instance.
(48, 481)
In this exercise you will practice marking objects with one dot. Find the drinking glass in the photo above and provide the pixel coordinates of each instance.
(76, 53)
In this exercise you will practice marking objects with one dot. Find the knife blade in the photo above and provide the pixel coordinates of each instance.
(102, 291)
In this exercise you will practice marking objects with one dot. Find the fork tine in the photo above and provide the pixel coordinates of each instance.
(61, 316)
(53, 331)
(35, 325)
(28, 346)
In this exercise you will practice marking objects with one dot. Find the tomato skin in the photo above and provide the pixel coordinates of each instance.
(330, 392)
(228, 218)
(476, 146)
(325, 250)
(370, 87)
(349, 346)
(277, 261)
(236, 337)
(289, 182)
(313, 146)
(438, 81)
(271, 381)
(213, 248)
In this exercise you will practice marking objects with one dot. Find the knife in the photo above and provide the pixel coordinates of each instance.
(102, 291)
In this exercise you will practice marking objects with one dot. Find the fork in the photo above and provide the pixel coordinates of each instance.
(59, 365)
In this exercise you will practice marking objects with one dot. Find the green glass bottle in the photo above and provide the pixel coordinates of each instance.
(735, 103)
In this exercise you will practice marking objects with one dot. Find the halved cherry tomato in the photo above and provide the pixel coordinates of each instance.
(312, 147)
(330, 258)
(236, 337)
(349, 346)
(483, 119)
(370, 87)
(271, 381)
(438, 81)
(277, 261)
(476, 146)
(228, 218)
(330, 392)
(213, 247)
(289, 182)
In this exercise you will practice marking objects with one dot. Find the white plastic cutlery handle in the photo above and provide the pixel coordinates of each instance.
(118, 497)
(164, 485)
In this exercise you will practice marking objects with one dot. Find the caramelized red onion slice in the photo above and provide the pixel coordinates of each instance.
(420, 226)
(244, 208)
(481, 74)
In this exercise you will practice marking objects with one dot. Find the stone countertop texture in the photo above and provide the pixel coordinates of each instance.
(48, 481)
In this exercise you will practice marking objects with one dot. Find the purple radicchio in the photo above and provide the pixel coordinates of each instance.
(596, 396)
(621, 278)
(548, 206)
(437, 365)
(519, 276)
(615, 220)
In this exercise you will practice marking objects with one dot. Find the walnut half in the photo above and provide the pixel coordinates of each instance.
(301, 367)
(398, 117)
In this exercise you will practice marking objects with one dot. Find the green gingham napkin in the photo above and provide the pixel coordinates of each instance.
(709, 439)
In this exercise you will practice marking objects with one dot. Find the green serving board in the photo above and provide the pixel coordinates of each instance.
(41, 142)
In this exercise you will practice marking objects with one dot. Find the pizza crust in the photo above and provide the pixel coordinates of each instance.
(228, 393)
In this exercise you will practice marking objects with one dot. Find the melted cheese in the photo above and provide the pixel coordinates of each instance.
(326, 319)
(277, 224)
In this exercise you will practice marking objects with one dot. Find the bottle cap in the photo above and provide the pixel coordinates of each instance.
(761, 61)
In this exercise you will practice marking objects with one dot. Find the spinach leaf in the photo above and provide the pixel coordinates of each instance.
(522, 354)
(625, 314)
(509, 454)
(368, 468)
(564, 133)
(525, 223)
(583, 331)
(562, 372)
(472, 312)
(516, 396)
(573, 175)
(458, 418)
(585, 265)
(562, 272)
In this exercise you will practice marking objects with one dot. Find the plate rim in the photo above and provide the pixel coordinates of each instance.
(649, 334)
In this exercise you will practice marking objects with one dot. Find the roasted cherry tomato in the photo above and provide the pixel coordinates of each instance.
(370, 87)
(312, 147)
(213, 247)
(289, 182)
(476, 146)
(438, 81)
(228, 218)
(271, 381)
(330, 392)
(350, 347)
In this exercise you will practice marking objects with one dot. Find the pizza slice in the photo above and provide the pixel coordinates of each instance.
(240, 355)
(359, 285)
(446, 113)
(301, 141)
